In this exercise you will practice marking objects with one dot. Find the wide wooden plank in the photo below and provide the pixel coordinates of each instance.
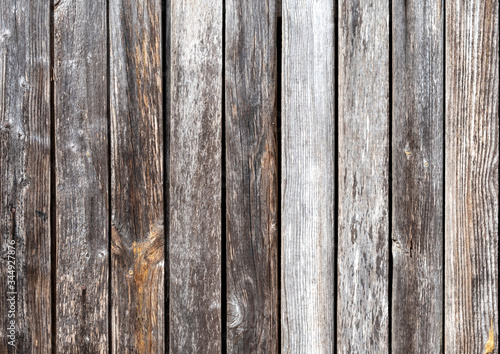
(81, 144)
(195, 176)
(25, 177)
(308, 183)
(251, 177)
(472, 138)
(363, 234)
(137, 271)
(417, 176)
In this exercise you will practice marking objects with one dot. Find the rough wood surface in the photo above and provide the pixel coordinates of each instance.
(472, 138)
(308, 183)
(25, 176)
(251, 177)
(195, 176)
(418, 176)
(363, 257)
(138, 319)
(81, 144)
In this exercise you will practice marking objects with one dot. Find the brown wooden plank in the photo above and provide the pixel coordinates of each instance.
(80, 105)
(251, 177)
(418, 176)
(195, 176)
(25, 177)
(308, 177)
(363, 255)
(472, 130)
(137, 176)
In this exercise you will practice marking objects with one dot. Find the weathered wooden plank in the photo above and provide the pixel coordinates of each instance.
(418, 176)
(81, 144)
(363, 177)
(137, 176)
(195, 176)
(308, 183)
(25, 177)
(251, 177)
(472, 138)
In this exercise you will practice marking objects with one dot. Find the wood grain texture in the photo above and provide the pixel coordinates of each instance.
(308, 183)
(418, 176)
(195, 176)
(472, 138)
(251, 177)
(25, 176)
(363, 233)
(138, 315)
(81, 144)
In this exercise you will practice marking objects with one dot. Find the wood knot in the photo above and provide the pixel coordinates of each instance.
(235, 314)
(139, 256)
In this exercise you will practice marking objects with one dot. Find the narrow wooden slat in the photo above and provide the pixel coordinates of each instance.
(80, 104)
(195, 176)
(25, 176)
(363, 237)
(137, 177)
(308, 183)
(418, 176)
(251, 177)
(472, 138)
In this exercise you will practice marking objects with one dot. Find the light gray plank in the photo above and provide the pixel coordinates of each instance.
(472, 138)
(363, 255)
(307, 190)
(195, 176)
(81, 144)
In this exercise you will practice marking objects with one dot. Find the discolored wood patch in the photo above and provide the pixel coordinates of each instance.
(139, 267)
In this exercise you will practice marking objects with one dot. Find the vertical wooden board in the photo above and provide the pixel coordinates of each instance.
(363, 257)
(137, 176)
(25, 176)
(471, 177)
(308, 183)
(195, 176)
(81, 145)
(251, 177)
(418, 176)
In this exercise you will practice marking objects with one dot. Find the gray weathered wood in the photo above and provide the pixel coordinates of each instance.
(25, 175)
(195, 176)
(308, 184)
(472, 138)
(251, 177)
(137, 176)
(363, 233)
(418, 176)
(81, 144)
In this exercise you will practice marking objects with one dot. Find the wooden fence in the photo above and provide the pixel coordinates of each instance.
(240, 176)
